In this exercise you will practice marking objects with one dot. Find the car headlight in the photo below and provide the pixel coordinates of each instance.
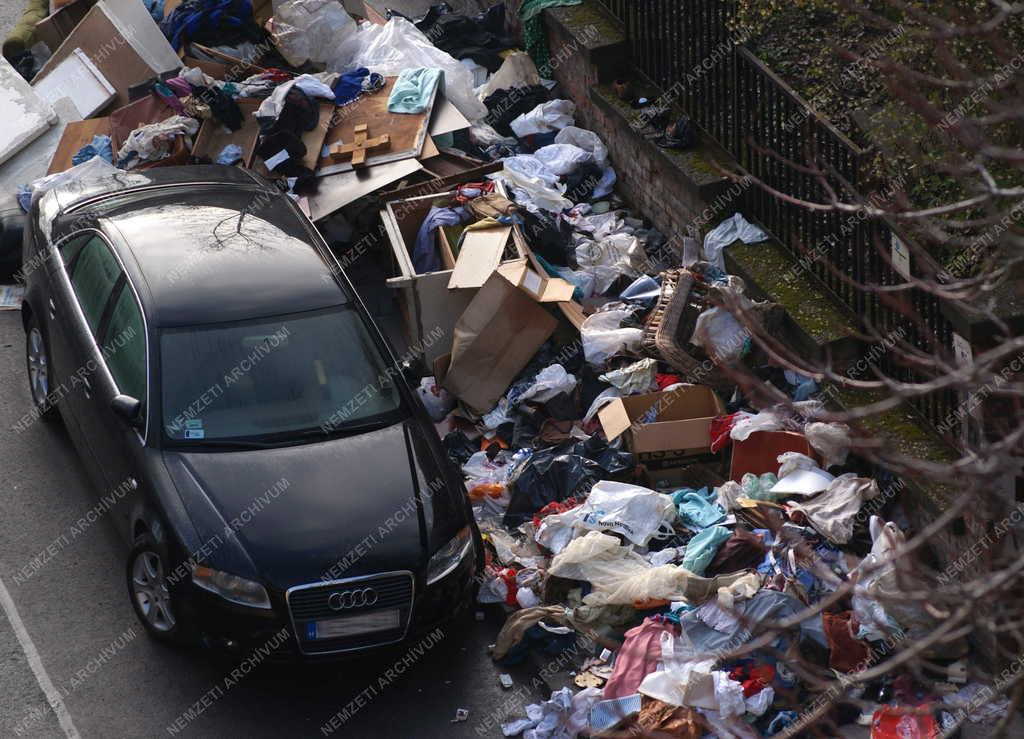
(231, 587)
(448, 557)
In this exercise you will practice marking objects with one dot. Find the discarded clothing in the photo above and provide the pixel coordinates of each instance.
(414, 90)
(349, 86)
(662, 719)
(424, 254)
(153, 141)
(835, 511)
(638, 657)
(701, 549)
(697, 508)
(222, 22)
(634, 378)
(534, 37)
(741, 551)
(846, 652)
(230, 154)
(480, 39)
(98, 147)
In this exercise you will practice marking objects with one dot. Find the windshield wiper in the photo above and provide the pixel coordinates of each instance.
(230, 444)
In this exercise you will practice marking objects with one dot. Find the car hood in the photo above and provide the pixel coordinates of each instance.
(330, 510)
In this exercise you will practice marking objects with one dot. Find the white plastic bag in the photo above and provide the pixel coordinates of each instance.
(793, 461)
(550, 116)
(399, 45)
(736, 228)
(721, 335)
(311, 30)
(636, 512)
(635, 378)
(533, 185)
(584, 139)
(436, 399)
(602, 337)
(549, 382)
(831, 440)
(558, 529)
(563, 159)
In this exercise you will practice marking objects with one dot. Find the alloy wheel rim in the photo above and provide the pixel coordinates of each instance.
(38, 367)
(151, 591)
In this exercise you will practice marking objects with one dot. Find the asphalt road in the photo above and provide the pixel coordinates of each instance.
(67, 631)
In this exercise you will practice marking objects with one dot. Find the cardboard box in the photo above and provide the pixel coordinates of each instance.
(678, 432)
(759, 452)
(496, 336)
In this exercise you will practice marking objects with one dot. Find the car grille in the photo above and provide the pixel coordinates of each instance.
(309, 604)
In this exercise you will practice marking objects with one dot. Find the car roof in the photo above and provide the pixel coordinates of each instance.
(215, 251)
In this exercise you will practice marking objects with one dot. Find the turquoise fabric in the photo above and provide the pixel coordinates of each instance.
(698, 509)
(703, 548)
(413, 90)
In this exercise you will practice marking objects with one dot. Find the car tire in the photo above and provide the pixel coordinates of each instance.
(156, 599)
(39, 369)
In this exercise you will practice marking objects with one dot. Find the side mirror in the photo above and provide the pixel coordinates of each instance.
(127, 408)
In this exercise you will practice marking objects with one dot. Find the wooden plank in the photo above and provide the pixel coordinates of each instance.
(213, 136)
(76, 135)
(407, 132)
(314, 140)
(479, 256)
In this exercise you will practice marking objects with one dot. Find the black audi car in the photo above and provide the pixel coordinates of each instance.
(246, 422)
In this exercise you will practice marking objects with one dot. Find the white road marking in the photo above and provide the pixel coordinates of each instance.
(34, 661)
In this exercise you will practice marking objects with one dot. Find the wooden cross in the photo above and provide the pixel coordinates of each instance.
(358, 148)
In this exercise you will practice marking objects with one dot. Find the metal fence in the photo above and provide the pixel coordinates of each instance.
(686, 48)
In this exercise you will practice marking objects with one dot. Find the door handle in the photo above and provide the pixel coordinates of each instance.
(53, 309)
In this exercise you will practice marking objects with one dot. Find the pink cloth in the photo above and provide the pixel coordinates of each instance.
(639, 656)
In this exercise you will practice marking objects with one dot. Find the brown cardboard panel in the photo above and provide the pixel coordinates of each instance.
(213, 136)
(544, 289)
(97, 36)
(58, 25)
(495, 337)
(680, 428)
(124, 120)
(479, 255)
(759, 452)
(314, 139)
(76, 135)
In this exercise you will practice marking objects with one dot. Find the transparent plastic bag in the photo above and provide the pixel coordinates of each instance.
(311, 30)
(603, 336)
(550, 116)
(436, 399)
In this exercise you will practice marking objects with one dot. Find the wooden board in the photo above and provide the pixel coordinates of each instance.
(314, 140)
(479, 256)
(407, 132)
(213, 136)
(97, 36)
(124, 120)
(76, 135)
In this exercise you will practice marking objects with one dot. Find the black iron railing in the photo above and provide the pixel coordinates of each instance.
(687, 49)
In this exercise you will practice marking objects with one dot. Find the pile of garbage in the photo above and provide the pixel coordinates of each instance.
(714, 563)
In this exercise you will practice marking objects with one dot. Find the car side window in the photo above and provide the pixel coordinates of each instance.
(71, 248)
(124, 344)
(94, 273)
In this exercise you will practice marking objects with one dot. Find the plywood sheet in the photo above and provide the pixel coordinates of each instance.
(314, 140)
(407, 132)
(76, 135)
(213, 136)
(479, 255)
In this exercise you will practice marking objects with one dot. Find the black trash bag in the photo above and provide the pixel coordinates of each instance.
(561, 472)
(459, 448)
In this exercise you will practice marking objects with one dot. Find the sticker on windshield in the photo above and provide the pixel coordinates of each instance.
(195, 434)
(194, 423)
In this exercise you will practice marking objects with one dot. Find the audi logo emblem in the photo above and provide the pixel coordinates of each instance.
(345, 599)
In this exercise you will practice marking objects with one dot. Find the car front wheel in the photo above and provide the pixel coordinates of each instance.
(153, 592)
(37, 357)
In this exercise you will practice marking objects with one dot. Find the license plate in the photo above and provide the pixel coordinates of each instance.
(364, 623)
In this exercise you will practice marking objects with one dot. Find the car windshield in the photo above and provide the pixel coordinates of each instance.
(300, 376)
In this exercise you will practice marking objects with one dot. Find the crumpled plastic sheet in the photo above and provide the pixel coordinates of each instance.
(603, 398)
(793, 461)
(550, 381)
(731, 229)
(603, 337)
(728, 494)
(90, 169)
(562, 159)
(311, 30)
(720, 334)
(586, 140)
(564, 716)
(831, 440)
(436, 399)
(534, 186)
(153, 141)
(399, 45)
(834, 511)
(622, 252)
(634, 378)
(763, 421)
(550, 116)
(618, 574)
